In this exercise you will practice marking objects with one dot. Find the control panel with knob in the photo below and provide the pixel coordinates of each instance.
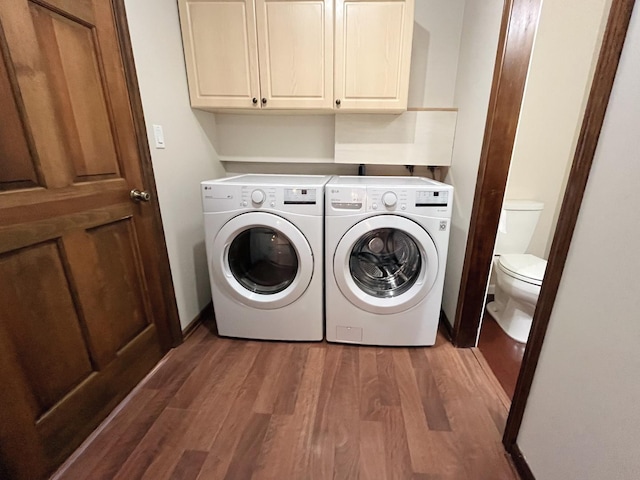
(257, 197)
(389, 199)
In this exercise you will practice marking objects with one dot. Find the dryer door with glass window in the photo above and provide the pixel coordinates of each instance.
(385, 264)
(264, 260)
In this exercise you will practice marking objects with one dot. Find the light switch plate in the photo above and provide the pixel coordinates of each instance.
(158, 135)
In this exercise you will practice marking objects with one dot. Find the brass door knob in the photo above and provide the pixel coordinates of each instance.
(139, 196)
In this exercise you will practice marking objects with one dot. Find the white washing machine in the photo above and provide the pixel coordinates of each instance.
(386, 241)
(264, 248)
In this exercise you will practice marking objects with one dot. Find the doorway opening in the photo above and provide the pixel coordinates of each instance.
(485, 220)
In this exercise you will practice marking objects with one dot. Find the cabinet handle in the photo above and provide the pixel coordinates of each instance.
(264, 101)
(255, 100)
(338, 102)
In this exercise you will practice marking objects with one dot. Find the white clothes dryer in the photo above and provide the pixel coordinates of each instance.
(386, 241)
(264, 249)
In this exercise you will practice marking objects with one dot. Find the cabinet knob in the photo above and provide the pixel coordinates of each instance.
(255, 100)
(264, 101)
(338, 102)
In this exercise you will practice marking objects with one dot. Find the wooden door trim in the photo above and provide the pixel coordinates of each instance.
(521, 463)
(517, 31)
(169, 330)
(606, 68)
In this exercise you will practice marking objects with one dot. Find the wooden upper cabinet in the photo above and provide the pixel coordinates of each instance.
(259, 54)
(295, 50)
(285, 55)
(373, 54)
(220, 52)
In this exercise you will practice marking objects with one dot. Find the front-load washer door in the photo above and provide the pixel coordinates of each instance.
(262, 260)
(385, 264)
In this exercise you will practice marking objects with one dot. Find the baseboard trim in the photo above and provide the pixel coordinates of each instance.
(206, 312)
(520, 462)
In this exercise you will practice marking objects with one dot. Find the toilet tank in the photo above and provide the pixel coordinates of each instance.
(518, 221)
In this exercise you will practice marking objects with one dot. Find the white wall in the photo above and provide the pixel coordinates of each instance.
(480, 30)
(189, 156)
(582, 419)
(437, 27)
(275, 138)
(563, 57)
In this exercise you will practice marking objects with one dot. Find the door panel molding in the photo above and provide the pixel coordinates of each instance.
(16, 139)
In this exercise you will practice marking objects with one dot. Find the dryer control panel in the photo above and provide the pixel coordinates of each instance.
(218, 197)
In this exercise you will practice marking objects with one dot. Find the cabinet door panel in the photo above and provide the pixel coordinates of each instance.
(373, 54)
(295, 45)
(220, 52)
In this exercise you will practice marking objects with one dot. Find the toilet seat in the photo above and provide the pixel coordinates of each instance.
(525, 267)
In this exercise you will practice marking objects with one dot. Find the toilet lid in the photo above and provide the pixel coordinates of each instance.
(525, 267)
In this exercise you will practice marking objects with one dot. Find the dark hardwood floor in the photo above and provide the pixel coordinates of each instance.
(502, 353)
(221, 408)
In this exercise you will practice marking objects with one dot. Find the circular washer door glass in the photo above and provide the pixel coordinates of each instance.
(385, 262)
(263, 260)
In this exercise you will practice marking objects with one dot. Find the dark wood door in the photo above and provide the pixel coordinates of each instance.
(83, 315)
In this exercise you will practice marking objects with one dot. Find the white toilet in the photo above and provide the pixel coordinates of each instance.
(518, 274)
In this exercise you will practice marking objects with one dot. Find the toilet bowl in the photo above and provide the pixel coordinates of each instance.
(518, 281)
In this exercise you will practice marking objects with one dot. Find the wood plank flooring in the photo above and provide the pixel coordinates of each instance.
(233, 409)
(502, 353)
